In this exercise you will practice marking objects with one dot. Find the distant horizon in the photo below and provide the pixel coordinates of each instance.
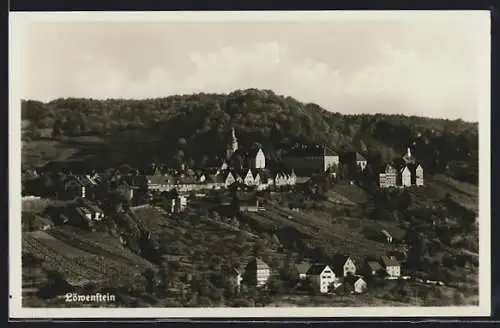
(208, 93)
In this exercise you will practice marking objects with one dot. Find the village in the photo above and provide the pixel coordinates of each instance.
(233, 186)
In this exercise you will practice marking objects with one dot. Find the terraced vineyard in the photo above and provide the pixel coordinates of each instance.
(342, 235)
(116, 253)
(76, 272)
(81, 260)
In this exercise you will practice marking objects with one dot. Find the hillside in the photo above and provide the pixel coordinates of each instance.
(195, 127)
(150, 257)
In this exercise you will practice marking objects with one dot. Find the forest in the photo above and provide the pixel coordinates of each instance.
(193, 128)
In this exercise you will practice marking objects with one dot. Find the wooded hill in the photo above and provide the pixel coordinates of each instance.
(193, 128)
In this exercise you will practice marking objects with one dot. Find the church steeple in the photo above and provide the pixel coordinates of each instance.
(408, 157)
(232, 146)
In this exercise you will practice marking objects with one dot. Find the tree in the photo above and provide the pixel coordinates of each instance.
(57, 128)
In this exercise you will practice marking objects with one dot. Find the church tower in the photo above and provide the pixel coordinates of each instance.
(232, 146)
(408, 157)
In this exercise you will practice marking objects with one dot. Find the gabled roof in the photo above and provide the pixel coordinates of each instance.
(212, 178)
(360, 158)
(302, 267)
(413, 167)
(310, 150)
(257, 264)
(339, 259)
(405, 167)
(186, 180)
(160, 179)
(338, 262)
(351, 280)
(135, 180)
(316, 269)
(389, 168)
(73, 179)
(374, 265)
(389, 261)
(253, 152)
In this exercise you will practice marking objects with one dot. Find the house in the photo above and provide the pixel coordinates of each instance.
(401, 255)
(354, 159)
(230, 179)
(322, 276)
(256, 178)
(405, 176)
(387, 236)
(236, 278)
(343, 265)
(281, 179)
(256, 273)
(178, 204)
(388, 178)
(125, 190)
(74, 188)
(37, 222)
(391, 266)
(30, 174)
(215, 181)
(249, 179)
(96, 214)
(160, 182)
(357, 284)
(257, 159)
(301, 269)
(373, 268)
(247, 202)
(307, 159)
(418, 175)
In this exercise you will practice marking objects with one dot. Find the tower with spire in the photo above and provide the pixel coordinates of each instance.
(232, 146)
(408, 157)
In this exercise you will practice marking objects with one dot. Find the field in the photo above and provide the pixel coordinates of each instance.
(412, 294)
(98, 150)
(84, 258)
(343, 235)
(463, 193)
(196, 240)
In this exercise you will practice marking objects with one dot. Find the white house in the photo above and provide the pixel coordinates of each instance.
(391, 266)
(361, 162)
(230, 179)
(321, 276)
(257, 273)
(178, 204)
(343, 265)
(258, 159)
(292, 179)
(301, 269)
(249, 180)
(419, 175)
(360, 286)
(256, 179)
(387, 236)
(405, 177)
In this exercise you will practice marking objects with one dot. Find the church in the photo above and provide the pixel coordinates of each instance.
(410, 173)
(238, 158)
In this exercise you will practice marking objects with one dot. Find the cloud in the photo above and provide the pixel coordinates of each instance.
(353, 72)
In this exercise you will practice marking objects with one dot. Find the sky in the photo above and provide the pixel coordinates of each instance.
(425, 65)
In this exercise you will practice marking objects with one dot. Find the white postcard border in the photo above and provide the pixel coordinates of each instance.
(18, 21)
